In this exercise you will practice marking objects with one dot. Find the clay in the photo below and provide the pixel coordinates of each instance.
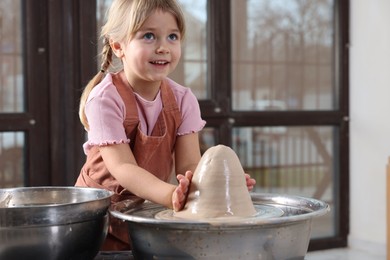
(218, 188)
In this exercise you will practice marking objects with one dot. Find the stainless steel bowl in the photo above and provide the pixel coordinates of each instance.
(281, 230)
(52, 222)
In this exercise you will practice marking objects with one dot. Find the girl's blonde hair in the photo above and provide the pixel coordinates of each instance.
(124, 19)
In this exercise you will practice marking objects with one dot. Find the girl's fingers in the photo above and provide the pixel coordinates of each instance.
(250, 182)
(180, 193)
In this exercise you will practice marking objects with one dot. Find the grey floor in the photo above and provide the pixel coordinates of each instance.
(343, 254)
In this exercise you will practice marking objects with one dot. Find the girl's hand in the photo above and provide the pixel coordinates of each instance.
(180, 194)
(250, 182)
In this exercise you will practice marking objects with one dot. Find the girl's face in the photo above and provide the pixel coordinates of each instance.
(154, 50)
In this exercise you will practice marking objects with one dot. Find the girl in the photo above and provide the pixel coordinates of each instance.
(139, 122)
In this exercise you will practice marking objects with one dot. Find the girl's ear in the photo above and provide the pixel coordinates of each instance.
(117, 49)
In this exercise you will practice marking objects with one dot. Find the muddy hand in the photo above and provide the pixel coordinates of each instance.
(250, 182)
(181, 192)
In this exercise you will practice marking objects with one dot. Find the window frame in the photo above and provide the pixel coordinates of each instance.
(66, 32)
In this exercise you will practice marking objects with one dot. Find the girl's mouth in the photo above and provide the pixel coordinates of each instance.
(159, 62)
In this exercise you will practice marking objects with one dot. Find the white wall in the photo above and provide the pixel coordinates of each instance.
(370, 122)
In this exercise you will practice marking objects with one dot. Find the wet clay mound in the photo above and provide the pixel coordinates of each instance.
(218, 188)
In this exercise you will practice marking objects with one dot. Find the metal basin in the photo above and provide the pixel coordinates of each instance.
(52, 222)
(281, 230)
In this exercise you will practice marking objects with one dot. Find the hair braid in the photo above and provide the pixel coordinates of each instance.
(106, 57)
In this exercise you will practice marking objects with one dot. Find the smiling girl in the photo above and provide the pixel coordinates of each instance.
(142, 126)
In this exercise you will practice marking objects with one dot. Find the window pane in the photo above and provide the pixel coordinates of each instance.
(11, 74)
(292, 160)
(192, 68)
(11, 159)
(282, 53)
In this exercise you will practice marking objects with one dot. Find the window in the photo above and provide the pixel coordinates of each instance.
(12, 96)
(283, 55)
(46, 58)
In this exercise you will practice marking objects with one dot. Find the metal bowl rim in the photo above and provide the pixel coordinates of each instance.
(107, 194)
(322, 208)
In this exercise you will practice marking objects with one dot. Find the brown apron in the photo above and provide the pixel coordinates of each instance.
(153, 153)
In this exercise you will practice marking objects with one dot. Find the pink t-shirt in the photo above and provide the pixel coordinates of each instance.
(105, 111)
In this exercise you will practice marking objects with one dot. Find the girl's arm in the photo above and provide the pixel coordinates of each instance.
(121, 163)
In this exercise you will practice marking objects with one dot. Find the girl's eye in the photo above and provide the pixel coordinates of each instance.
(148, 36)
(173, 37)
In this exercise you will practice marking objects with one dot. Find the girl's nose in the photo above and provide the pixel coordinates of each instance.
(162, 49)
